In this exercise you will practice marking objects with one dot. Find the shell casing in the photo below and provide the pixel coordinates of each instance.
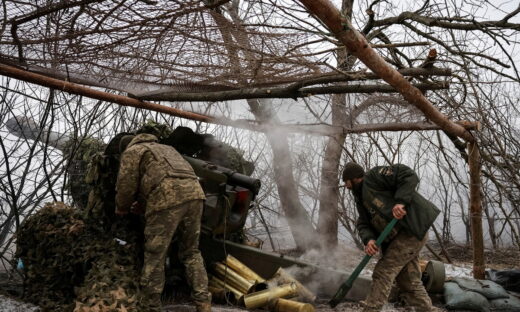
(220, 294)
(243, 270)
(215, 282)
(284, 305)
(282, 277)
(229, 276)
(265, 297)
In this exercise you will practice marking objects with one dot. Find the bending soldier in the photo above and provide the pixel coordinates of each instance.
(156, 177)
(381, 194)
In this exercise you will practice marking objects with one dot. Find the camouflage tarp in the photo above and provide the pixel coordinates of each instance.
(72, 265)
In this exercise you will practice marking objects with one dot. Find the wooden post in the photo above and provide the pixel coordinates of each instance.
(475, 211)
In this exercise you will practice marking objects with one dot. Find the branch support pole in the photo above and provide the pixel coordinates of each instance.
(475, 207)
(358, 46)
(74, 88)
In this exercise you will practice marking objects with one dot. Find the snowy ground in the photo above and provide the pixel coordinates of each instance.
(346, 259)
(10, 305)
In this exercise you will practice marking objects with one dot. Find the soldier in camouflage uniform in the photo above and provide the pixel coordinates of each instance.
(381, 194)
(155, 177)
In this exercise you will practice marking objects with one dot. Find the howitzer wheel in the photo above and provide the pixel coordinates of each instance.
(435, 276)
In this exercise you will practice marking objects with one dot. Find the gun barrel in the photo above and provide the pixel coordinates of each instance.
(233, 177)
(26, 127)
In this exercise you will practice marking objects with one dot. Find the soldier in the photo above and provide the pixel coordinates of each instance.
(155, 177)
(381, 194)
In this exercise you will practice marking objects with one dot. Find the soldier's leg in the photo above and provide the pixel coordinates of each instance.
(411, 288)
(189, 253)
(399, 252)
(159, 229)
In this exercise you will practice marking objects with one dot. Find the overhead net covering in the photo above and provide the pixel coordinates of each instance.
(140, 46)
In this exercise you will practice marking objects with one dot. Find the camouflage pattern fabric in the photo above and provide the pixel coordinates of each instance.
(184, 221)
(400, 262)
(70, 264)
(101, 177)
(379, 223)
(161, 131)
(171, 192)
(80, 153)
(144, 165)
(161, 180)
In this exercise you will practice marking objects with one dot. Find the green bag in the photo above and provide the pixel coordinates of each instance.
(488, 289)
(459, 299)
(510, 304)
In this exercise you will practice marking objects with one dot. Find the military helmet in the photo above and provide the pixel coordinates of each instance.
(185, 141)
(125, 140)
(112, 148)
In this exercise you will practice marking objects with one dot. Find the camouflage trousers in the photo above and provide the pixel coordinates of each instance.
(400, 263)
(184, 221)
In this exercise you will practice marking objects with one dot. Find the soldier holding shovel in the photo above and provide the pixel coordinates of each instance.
(381, 194)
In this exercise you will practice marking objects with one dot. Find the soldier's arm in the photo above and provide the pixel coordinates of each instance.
(128, 179)
(363, 226)
(405, 181)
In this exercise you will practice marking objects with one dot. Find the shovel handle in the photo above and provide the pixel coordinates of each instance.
(347, 285)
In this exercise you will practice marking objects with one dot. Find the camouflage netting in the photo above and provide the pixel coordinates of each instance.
(74, 259)
(137, 46)
(81, 153)
(71, 265)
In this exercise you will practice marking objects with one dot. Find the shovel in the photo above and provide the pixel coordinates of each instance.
(345, 287)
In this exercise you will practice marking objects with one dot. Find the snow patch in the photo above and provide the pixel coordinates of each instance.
(458, 270)
(11, 305)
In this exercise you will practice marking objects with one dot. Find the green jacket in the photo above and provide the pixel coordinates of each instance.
(382, 188)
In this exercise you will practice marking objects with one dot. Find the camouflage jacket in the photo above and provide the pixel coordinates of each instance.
(385, 186)
(145, 166)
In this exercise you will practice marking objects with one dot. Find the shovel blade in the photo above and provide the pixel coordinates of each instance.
(340, 294)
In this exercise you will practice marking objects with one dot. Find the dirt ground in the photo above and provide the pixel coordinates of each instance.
(320, 307)
(499, 259)
(461, 256)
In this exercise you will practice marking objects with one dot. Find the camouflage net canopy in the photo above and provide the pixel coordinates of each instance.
(142, 45)
(72, 265)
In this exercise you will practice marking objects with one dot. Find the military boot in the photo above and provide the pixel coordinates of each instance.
(203, 306)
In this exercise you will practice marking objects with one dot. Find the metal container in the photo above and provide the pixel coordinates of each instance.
(284, 305)
(265, 297)
(243, 270)
(217, 283)
(231, 277)
(282, 277)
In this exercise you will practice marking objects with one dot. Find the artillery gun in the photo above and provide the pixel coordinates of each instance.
(229, 192)
(93, 168)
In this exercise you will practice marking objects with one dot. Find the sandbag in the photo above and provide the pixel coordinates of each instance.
(459, 299)
(511, 304)
(488, 289)
(509, 279)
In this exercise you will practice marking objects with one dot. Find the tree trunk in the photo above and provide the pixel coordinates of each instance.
(304, 234)
(329, 182)
(476, 211)
(329, 186)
